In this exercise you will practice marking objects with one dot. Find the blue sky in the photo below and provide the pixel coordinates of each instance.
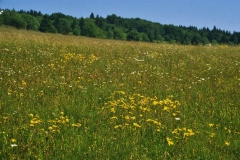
(224, 14)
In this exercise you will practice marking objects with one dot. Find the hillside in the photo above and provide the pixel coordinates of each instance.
(74, 97)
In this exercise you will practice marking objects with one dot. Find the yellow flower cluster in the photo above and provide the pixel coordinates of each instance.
(69, 56)
(53, 125)
(137, 111)
(168, 104)
(35, 120)
(183, 131)
(58, 122)
(189, 132)
(78, 57)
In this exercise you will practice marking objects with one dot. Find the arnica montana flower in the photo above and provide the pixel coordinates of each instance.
(170, 142)
(227, 143)
(165, 108)
(114, 117)
(211, 125)
(118, 126)
(76, 125)
(155, 103)
(24, 83)
(212, 135)
(189, 133)
(136, 125)
(13, 140)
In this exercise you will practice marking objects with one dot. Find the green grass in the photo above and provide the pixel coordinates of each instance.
(67, 97)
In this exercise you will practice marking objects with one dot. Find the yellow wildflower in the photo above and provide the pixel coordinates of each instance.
(136, 125)
(211, 125)
(155, 103)
(54, 126)
(170, 142)
(212, 135)
(133, 118)
(227, 143)
(156, 122)
(177, 131)
(127, 117)
(160, 102)
(77, 125)
(24, 83)
(117, 126)
(114, 117)
(113, 110)
(35, 121)
(189, 133)
(165, 108)
(121, 92)
(13, 140)
(149, 120)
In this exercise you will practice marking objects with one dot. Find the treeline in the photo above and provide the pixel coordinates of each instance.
(115, 27)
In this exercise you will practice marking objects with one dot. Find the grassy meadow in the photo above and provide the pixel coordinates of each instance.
(68, 97)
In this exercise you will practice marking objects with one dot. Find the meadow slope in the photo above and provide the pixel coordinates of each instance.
(68, 97)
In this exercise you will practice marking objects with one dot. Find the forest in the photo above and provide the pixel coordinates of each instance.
(116, 27)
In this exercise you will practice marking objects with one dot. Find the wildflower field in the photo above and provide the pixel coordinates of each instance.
(68, 97)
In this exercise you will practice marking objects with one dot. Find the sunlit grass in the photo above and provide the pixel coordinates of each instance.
(67, 97)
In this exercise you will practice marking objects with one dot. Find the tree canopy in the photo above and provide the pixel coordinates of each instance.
(116, 27)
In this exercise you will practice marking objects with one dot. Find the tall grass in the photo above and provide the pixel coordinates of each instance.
(66, 97)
